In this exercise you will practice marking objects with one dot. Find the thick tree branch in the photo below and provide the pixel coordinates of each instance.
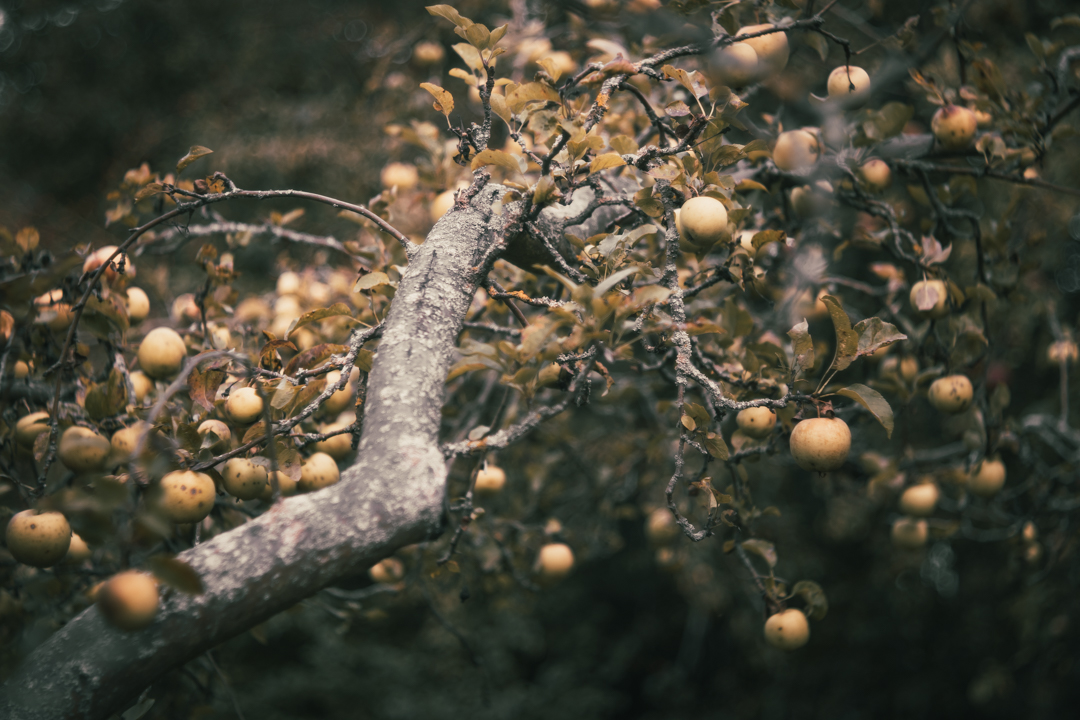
(391, 496)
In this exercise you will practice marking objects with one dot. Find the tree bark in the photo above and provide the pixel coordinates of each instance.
(390, 497)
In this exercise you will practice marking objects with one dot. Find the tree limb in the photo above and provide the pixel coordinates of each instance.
(392, 496)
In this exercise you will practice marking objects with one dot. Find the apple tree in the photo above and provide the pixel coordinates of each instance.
(654, 272)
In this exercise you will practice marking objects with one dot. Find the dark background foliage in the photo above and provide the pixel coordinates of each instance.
(295, 94)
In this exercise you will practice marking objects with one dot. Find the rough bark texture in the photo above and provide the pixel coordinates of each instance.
(391, 496)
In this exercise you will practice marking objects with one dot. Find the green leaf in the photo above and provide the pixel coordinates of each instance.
(175, 573)
(196, 152)
(763, 549)
(817, 605)
(698, 413)
(847, 340)
(872, 400)
(714, 443)
(874, 333)
(803, 347)
(605, 162)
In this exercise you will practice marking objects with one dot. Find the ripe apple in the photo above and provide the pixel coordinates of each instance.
(787, 630)
(555, 561)
(219, 429)
(97, 258)
(402, 175)
(7, 327)
(142, 385)
(318, 471)
(757, 422)
(661, 528)
(78, 550)
(951, 394)
(875, 175)
(772, 49)
(123, 443)
(342, 399)
(820, 444)
(387, 571)
(185, 309)
(919, 500)
(138, 304)
(796, 149)
(954, 126)
(38, 539)
(843, 78)
(83, 450)
(428, 53)
(703, 220)
(441, 205)
(286, 486)
(162, 353)
(338, 447)
(244, 405)
(988, 479)
(909, 533)
(929, 299)
(490, 480)
(243, 478)
(737, 65)
(129, 600)
(28, 427)
(52, 311)
(185, 496)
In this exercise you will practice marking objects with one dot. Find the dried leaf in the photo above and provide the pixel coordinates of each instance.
(872, 400)
(874, 333)
(817, 605)
(335, 310)
(847, 340)
(196, 152)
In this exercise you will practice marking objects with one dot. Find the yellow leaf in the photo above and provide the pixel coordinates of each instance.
(496, 157)
(530, 92)
(444, 101)
(605, 162)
